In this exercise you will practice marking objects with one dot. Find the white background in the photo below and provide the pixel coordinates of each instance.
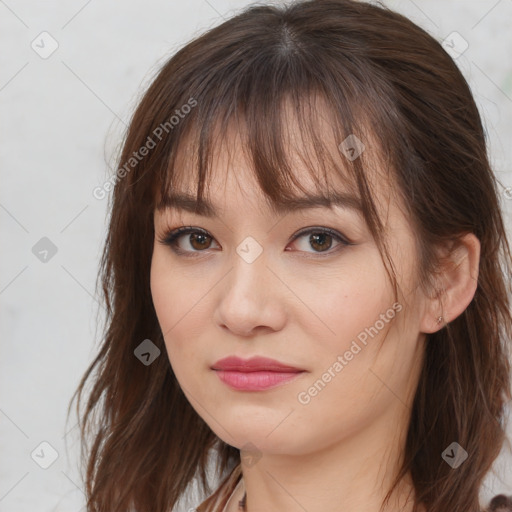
(62, 118)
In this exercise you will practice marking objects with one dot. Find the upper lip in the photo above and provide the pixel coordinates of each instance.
(254, 364)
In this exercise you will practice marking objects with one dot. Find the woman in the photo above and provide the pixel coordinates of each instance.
(328, 324)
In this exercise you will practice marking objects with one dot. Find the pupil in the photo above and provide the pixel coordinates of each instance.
(197, 236)
(318, 239)
(321, 236)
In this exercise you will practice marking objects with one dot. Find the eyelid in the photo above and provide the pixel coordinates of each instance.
(171, 235)
(322, 229)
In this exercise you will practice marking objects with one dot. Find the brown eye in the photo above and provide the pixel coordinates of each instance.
(320, 239)
(197, 239)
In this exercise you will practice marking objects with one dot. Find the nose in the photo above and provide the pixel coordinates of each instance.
(251, 299)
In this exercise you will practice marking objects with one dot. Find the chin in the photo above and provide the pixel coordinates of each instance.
(257, 439)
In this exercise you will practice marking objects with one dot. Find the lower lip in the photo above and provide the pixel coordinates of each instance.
(255, 381)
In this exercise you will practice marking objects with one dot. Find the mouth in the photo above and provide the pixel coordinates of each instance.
(255, 374)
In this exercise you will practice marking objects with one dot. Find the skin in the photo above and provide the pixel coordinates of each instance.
(341, 449)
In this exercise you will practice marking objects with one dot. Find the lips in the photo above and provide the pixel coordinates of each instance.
(255, 364)
(255, 374)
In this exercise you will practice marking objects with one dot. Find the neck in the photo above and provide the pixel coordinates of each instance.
(354, 475)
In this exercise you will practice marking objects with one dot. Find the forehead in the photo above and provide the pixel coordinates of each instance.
(187, 201)
(232, 167)
(319, 173)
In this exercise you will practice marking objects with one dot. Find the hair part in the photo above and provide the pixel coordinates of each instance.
(378, 76)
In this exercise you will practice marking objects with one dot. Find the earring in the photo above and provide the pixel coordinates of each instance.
(440, 319)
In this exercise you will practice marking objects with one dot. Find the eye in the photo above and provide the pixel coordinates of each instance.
(320, 239)
(198, 239)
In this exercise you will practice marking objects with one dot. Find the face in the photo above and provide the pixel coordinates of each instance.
(308, 289)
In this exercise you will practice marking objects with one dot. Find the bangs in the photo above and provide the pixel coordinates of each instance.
(284, 105)
(281, 116)
(273, 143)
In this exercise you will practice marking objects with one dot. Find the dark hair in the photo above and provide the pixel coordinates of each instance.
(391, 84)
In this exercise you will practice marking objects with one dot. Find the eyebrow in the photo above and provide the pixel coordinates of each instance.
(187, 202)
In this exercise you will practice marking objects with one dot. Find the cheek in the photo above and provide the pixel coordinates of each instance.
(355, 310)
(179, 307)
(172, 292)
(162, 291)
(342, 303)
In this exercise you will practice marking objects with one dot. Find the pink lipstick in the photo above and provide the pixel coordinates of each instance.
(254, 374)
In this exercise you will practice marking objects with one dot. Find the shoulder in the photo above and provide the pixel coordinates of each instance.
(217, 501)
(500, 503)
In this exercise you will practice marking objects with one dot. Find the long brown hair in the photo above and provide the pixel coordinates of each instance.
(379, 74)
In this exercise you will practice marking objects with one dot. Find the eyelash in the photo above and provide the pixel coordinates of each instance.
(171, 236)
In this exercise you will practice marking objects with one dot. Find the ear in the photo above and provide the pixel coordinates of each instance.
(456, 283)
